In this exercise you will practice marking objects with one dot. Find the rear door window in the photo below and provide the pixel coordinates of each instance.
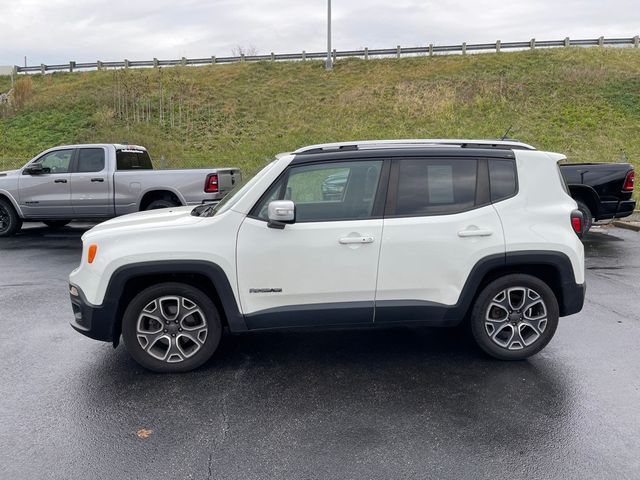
(435, 186)
(90, 160)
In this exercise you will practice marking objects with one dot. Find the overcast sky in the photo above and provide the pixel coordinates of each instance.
(53, 31)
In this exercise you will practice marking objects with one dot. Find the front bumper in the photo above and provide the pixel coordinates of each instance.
(620, 209)
(95, 322)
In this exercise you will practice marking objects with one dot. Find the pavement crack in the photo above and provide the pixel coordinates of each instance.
(209, 465)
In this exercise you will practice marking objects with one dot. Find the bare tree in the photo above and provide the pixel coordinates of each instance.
(240, 50)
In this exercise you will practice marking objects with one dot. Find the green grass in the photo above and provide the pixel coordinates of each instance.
(581, 102)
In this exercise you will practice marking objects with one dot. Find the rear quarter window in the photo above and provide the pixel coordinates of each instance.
(436, 187)
(502, 179)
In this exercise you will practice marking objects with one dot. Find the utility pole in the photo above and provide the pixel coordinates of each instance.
(329, 64)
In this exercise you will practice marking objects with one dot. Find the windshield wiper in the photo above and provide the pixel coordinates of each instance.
(204, 210)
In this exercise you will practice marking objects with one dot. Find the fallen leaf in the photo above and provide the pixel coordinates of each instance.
(144, 433)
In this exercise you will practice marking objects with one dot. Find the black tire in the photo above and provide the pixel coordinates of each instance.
(493, 336)
(54, 224)
(167, 350)
(587, 216)
(161, 203)
(10, 222)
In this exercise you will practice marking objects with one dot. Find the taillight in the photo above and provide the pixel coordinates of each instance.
(211, 185)
(577, 221)
(629, 182)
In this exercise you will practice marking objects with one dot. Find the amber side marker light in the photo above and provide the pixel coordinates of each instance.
(91, 255)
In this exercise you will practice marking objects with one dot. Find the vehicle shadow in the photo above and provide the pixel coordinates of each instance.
(333, 387)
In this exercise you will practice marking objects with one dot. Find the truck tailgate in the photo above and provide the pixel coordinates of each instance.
(228, 178)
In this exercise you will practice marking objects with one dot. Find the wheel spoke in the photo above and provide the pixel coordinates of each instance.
(148, 340)
(517, 342)
(174, 354)
(499, 338)
(516, 297)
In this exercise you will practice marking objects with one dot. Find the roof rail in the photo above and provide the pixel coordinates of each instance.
(413, 143)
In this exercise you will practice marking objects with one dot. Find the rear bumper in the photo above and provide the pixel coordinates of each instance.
(609, 210)
(93, 321)
(572, 298)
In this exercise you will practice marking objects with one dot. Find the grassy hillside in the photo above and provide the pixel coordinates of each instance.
(583, 102)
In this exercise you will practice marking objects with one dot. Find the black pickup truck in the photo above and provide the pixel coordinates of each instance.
(602, 190)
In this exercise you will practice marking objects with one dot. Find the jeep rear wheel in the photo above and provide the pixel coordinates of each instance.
(171, 327)
(514, 317)
(10, 222)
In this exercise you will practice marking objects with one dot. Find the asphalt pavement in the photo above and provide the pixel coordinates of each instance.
(400, 403)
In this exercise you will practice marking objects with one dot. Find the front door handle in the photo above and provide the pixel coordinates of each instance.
(60, 180)
(477, 232)
(97, 179)
(355, 240)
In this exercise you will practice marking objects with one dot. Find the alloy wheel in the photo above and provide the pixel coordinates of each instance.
(171, 328)
(516, 318)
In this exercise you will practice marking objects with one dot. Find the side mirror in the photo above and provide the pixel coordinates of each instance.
(281, 212)
(35, 169)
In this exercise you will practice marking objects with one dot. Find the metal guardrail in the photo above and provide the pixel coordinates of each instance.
(364, 53)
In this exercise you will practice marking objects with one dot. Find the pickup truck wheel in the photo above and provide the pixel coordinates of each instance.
(161, 203)
(171, 327)
(514, 317)
(56, 223)
(587, 216)
(10, 222)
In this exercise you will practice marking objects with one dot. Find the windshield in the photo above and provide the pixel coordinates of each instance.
(231, 198)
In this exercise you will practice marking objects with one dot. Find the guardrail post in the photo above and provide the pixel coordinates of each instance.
(304, 55)
(183, 61)
(72, 65)
(498, 44)
(43, 68)
(334, 55)
(567, 42)
(242, 57)
(213, 59)
(126, 63)
(156, 64)
(532, 43)
(366, 53)
(398, 51)
(636, 41)
(601, 42)
(464, 48)
(431, 49)
(98, 65)
(273, 57)
(14, 74)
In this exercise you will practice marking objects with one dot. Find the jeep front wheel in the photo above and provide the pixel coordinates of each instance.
(514, 317)
(171, 327)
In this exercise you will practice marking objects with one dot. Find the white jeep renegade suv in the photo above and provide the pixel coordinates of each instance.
(430, 232)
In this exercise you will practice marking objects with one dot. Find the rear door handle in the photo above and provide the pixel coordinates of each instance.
(479, 232)
(355, 240)
(60, 180)
(97, 179)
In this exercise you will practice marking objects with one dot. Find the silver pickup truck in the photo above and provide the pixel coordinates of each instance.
(101, 181)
